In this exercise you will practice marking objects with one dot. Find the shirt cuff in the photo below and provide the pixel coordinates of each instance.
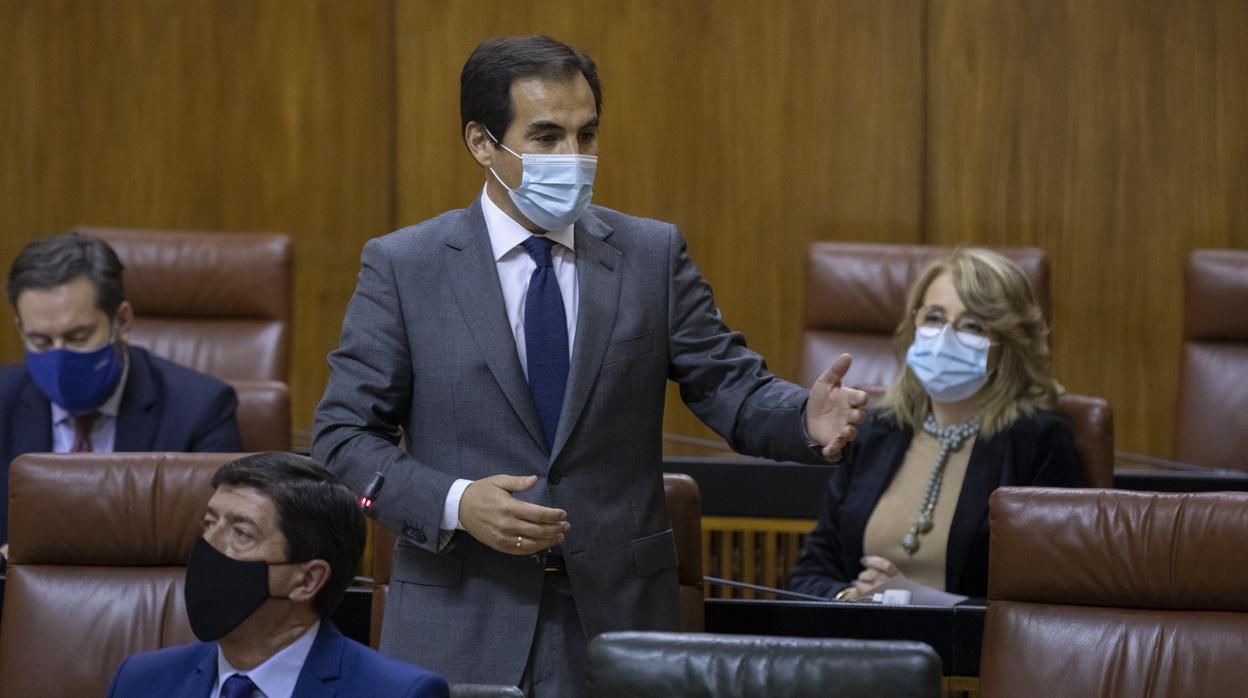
(450, 510)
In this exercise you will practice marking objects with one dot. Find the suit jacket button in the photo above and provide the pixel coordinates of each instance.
(413, 533)
(554, 477)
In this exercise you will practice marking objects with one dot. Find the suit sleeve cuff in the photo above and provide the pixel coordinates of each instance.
(450, 510)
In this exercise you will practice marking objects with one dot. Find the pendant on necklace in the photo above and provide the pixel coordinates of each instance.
(910, 543)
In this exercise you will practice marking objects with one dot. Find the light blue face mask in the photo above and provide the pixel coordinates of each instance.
(554, 189)
(951, 365)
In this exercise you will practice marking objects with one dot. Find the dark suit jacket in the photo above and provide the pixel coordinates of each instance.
(1036, 450)
(336, 666)
(427, 353)
(165, 407)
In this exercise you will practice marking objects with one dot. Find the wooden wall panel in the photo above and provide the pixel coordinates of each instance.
(1109, 133)
(200, 114)
(1112, 135)
(756, 127)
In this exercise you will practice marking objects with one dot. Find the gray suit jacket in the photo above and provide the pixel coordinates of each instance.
(427, 356)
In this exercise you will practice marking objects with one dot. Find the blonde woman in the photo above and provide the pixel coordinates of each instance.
(970, 412)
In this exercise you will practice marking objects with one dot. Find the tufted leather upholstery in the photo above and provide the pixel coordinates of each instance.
(684, 505)
(729, 666)
(219, 303)
(1212, 412)
(99, 548)
(1115, 593)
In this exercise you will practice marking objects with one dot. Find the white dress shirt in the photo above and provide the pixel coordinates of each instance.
(103, 430)
(276, 676)
(515, 268)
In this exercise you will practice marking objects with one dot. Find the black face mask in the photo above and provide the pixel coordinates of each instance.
(222, 592)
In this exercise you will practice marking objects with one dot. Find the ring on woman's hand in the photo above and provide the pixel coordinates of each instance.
(519, 541)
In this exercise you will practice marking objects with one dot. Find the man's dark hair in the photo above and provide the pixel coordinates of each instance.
(485, 83)
(316, 512)
(55, 261)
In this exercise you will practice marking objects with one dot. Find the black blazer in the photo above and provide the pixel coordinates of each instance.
(164, 407)
(1037, 450)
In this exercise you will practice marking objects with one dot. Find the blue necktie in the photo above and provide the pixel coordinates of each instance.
(545, 338)
(238, 686)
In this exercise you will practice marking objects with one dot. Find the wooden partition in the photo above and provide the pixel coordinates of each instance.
(1108, 133)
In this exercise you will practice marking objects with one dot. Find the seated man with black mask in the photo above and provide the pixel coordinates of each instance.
(282, 537)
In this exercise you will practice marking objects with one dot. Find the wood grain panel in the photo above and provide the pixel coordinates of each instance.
(756, 127)
(199, 114)
(1112, 135)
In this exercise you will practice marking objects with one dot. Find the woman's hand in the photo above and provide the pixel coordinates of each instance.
(877, 570)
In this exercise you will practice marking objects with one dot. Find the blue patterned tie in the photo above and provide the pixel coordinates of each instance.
(545, 338)
(238, 686)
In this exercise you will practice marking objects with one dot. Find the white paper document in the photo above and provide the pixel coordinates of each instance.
(920, 594)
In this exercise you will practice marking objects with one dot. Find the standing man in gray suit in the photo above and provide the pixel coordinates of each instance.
(498, 393)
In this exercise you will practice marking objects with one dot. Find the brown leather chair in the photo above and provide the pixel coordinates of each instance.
(1115, 593)
(684, 505)
(1212, 413)
(219, 303)
(855, 296)
(263, 415)
(99, 547)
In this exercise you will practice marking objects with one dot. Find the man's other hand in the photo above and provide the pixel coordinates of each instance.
(489, 513)
(834, 411)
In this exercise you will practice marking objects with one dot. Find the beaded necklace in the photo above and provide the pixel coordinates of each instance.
(951, 439)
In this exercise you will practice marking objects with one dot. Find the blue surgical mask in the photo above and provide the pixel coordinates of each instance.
(951, 365)
(554, 189)
(79, 381)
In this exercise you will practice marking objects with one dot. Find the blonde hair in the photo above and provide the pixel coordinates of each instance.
(994, 289)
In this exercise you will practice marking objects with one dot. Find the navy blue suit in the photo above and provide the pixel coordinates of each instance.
(165, 407)
(336, 666)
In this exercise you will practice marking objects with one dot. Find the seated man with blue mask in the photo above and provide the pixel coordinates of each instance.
(81, 387)
(281, 540)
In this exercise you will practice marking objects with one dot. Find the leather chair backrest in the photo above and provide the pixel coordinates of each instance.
(99, 545)
(219, 303)
(684, 506)
(1212, 414)
(696, 664)
(856, 295)
(263, 415)
(1092, 422)
(1115, 593)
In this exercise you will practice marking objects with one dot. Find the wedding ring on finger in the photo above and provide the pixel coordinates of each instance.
(519, 541)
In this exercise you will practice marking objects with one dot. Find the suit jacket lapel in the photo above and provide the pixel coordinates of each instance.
(323, 664)
(983, 475)
(200, 681)
(598, 284)
(32, 432)
(138, 415)
(480, 297)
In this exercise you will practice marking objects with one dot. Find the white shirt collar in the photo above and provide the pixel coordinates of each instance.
(276, 676)
(111, 406)
(506, 233)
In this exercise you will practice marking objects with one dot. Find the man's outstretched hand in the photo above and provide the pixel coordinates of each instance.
(834, 411)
